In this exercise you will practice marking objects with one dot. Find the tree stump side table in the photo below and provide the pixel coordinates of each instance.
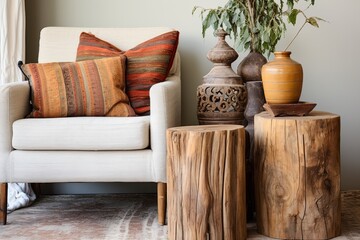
(297, 176)
(206, 182)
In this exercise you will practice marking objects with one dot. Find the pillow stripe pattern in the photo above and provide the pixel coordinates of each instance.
(87, 88)
(147, 64)
(90, 47)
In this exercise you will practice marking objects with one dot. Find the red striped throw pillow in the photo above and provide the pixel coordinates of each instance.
(147, 63)
(91, 47)
(87, 88)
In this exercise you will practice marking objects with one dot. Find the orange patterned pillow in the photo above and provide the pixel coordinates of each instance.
(87, 88)
(147, 63)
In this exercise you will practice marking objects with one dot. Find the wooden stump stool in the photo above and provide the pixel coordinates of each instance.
(206, 182)
(297, 176)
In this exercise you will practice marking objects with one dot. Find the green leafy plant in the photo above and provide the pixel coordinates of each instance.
(292, 16)
(256, 25)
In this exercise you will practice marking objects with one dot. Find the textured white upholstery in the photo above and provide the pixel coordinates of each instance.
(14, 104)
(81, 133)
(81, 166)
(87, 149)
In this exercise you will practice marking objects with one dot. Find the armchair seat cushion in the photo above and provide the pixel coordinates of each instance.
(81, 133)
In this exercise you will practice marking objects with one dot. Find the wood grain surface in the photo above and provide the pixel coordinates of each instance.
(206, 182)
(297, 176)
(3, 203)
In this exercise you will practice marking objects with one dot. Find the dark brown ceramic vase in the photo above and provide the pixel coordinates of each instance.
(249, 68)
(282, 79)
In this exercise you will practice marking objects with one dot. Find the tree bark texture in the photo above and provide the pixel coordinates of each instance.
(297, 176)
(206, 182)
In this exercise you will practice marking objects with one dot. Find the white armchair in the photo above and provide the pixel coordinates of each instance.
(87, 149)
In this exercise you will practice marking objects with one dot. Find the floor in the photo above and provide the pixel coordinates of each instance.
(124, 216)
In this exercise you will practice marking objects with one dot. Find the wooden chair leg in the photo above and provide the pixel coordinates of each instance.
(161, 196)
(3, 203)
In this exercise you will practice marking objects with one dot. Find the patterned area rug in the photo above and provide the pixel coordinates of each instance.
(130, 216)
(125, 216)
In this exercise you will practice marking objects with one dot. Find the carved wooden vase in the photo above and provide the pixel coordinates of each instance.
(222, 96)
(282, 79)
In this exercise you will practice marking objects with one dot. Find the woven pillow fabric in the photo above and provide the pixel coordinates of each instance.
(87, 88)
(91, 47)
(147, 64)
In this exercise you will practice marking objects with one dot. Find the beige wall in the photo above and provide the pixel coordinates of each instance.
(329, 55)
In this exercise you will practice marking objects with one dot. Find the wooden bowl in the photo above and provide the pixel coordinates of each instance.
(292, 109)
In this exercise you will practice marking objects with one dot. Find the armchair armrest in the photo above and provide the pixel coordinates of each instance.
(14, 104)
(165, 112)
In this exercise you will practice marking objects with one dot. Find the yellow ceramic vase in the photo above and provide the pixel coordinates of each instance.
(282, 79)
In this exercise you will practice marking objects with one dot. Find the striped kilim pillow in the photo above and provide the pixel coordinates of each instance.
(91, 47)
(87, 88)
(147, 63)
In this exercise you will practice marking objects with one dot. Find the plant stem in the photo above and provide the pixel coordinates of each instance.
(251, 19)
(306, 21)
(296, 35)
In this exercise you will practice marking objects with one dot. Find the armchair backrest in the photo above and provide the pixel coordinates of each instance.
(59, 44)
